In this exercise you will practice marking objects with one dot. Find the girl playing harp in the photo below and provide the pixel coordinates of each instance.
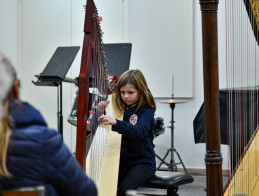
(137, 160)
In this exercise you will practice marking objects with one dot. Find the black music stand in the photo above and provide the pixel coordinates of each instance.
(55, 72)
(117, 58)
(172, 166)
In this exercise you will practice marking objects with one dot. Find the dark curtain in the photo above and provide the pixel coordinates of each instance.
(242, 105)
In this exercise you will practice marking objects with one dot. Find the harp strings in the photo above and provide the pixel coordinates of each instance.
(241, 83)
(100, 87)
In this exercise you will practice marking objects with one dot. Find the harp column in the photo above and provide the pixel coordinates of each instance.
(213, 157)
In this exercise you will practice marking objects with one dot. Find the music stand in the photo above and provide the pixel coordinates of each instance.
(55, 72)
(117, 58)
(172, 166)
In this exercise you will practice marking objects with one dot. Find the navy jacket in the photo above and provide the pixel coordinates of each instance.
(137, 137)
(37, 156)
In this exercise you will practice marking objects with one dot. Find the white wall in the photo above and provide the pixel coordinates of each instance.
(162, 39)
(35, 46)
(8, 29)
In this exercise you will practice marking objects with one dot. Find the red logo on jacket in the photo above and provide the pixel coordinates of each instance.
(133, 119)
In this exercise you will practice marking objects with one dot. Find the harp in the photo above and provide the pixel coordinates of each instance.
(102, 162)
(241, 85)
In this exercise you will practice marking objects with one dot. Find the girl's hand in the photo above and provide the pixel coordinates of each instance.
(107, 120)
(102, 105)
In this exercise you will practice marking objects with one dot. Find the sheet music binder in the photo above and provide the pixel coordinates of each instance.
(58, 66)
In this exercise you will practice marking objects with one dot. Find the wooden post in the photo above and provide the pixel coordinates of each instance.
(213, 157)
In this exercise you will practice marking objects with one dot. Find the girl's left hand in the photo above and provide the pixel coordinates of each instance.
(102, 105)
(107, 120)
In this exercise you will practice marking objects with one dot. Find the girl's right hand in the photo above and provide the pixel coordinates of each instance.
(107, 120)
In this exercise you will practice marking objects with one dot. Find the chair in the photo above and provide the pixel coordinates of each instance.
(28, 191)
(169, 181)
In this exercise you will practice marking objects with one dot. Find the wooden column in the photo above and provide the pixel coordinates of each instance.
(213, 157)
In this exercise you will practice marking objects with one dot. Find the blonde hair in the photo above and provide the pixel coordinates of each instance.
(7, 79)
(4, 141)
(138, 81)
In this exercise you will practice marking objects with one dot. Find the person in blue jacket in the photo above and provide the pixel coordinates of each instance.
(31, 154)
(137, 160)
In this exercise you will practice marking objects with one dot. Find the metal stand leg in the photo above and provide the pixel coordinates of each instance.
(172, 166)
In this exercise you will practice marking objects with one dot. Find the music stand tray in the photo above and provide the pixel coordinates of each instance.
(58, 66)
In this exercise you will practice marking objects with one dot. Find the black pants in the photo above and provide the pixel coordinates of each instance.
(133, 178)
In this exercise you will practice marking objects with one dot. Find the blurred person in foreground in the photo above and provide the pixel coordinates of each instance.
(31, 154)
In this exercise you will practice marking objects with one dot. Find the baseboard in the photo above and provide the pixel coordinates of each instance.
(194, 171)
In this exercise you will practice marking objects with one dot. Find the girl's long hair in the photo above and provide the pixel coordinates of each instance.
(8, 77)
(5, 133)
(138, 81)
